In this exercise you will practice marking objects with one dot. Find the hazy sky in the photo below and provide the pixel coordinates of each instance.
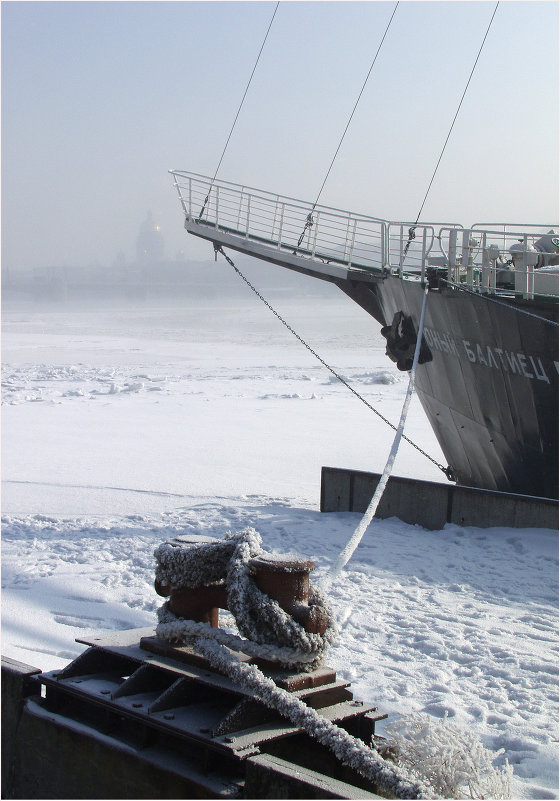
(100, 99)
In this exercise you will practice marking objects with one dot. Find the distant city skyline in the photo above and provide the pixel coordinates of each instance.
(148, 248)
(100, 99)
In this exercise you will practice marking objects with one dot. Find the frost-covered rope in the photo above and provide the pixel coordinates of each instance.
(346, 553)
(387, 777)
(269, 631)
(177, 629)
(271, 634)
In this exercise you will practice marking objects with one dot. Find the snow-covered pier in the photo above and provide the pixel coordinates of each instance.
(432, 504)
(186, 709)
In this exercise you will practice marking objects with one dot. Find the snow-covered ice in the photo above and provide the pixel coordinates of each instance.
(124, 426)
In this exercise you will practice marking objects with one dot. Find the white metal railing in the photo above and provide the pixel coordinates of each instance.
(336, 236)
(409, 247)
(503, 259)
(492, 258)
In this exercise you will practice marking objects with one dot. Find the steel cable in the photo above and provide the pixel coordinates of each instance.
(446, 470)
(239, 110)
(411, 230)
(309, 220)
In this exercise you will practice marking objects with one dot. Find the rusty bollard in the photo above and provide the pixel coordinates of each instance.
(201, 604)
(286, 580)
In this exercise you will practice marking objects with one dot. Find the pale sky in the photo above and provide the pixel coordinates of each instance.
(100, 99)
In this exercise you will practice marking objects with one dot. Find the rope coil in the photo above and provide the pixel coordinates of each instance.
(259, 618)
(262, 619)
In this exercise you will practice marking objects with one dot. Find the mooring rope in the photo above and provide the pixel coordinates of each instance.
(269, 632)
(190, 567)
(346, 553)
(386, 776)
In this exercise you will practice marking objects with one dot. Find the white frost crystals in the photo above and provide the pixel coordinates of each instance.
(271, 633)
(432, 759)
(388, 778)
(266, 625)
(451, 760)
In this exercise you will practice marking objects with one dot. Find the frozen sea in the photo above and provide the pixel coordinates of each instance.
(127, 423)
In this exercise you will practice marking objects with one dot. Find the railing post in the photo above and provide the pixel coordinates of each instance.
(248, 216)
(493, 268)
(529, 271)
(274, 220)
(423, 262)
(181, 198)
(217, 203)
(464, 253)
(485, 283)
(485, 264)
(316, 226)
(281, 225)
(346, 239)
(352, 243)
(452, 253)
(240, 207)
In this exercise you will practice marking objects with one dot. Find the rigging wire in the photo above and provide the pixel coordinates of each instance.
(447, 470)
(309, 220)
(239, 109)
(411, 230)
(356, 104)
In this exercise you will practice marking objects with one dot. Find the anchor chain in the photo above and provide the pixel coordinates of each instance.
(448, 471)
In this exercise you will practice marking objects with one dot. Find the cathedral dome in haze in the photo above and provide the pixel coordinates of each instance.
(149, 243)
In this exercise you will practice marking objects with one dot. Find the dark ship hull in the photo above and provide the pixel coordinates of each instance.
(490, 390)
(487, 376)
